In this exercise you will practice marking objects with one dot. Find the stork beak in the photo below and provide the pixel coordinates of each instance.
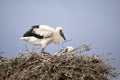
(61, 33)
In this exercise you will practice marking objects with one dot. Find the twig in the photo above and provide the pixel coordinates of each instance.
(27, 49)
(60, 51)
(84, 67)
(82, 48)
(65, 42)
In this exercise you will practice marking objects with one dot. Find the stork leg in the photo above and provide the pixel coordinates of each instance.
(42, 52)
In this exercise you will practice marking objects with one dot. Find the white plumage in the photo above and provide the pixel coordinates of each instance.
(43, 35)
(69, 49)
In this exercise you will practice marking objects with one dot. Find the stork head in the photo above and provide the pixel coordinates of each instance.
(60, 31)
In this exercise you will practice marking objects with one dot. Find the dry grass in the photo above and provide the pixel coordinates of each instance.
(63, 67)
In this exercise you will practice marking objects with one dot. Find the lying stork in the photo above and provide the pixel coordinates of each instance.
(43, 35)
(69, 49)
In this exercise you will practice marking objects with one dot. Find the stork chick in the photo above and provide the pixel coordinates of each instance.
(69, 49)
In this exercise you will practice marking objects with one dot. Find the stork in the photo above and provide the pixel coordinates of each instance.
(69, 49)
(43, 35)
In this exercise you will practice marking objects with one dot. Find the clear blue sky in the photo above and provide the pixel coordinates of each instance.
(84, 21)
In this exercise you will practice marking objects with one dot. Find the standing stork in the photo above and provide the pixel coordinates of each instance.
(43, 35)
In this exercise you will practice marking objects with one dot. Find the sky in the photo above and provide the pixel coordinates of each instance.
(95, 22)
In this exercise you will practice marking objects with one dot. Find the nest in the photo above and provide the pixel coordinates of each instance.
(52, 67)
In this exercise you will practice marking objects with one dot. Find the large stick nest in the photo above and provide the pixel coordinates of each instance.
(63, 67)
(71, 66)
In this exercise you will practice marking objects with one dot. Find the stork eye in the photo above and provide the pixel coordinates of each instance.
(60, 30)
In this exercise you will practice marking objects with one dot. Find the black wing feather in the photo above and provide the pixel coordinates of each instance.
(31, 33)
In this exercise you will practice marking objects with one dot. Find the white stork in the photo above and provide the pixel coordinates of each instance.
(43, 35)
(69, 49)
